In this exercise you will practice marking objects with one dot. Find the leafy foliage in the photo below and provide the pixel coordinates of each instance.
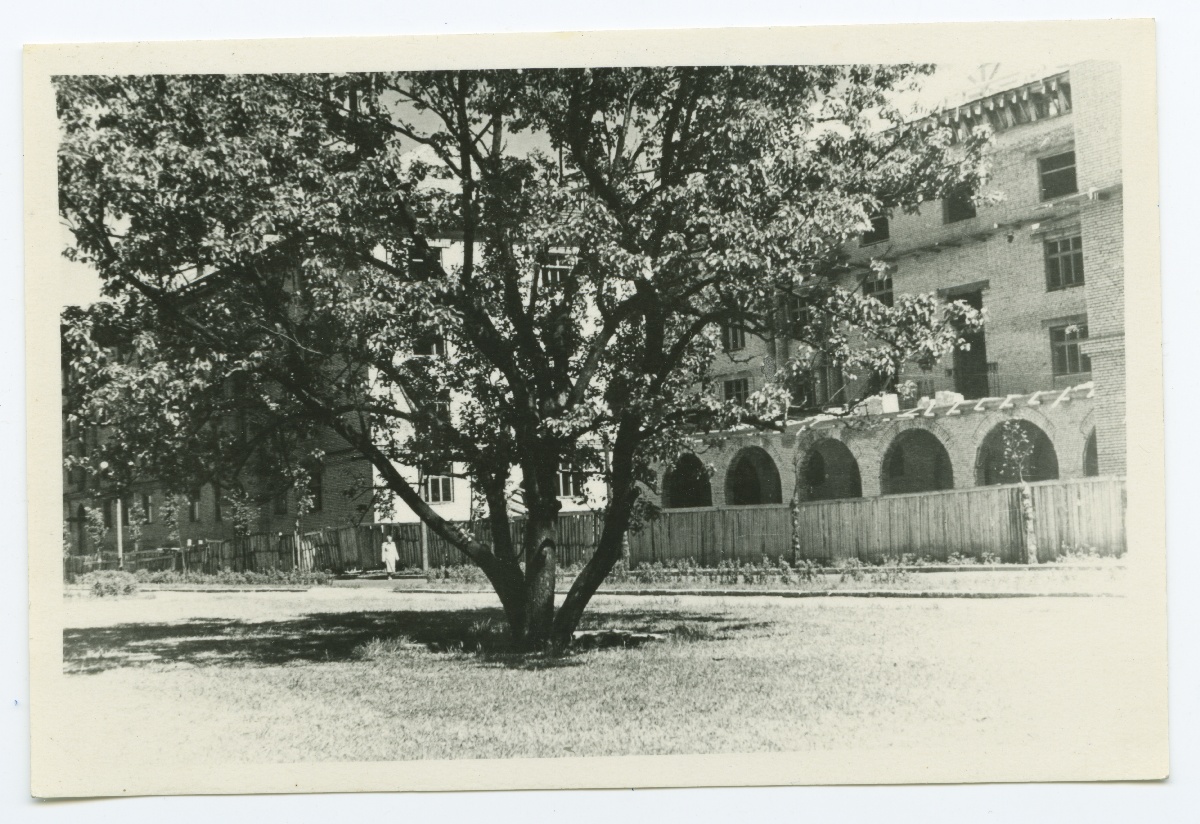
(95, 528)
(1016, 450)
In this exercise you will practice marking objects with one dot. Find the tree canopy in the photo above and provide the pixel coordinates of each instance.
(265, 247)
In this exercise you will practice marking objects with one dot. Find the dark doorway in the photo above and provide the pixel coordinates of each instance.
(916, 461)
(971, 365)
(686, 485)
(752, 479)
(830, 472)
(1091, 457)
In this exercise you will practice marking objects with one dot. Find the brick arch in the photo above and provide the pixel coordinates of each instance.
(752, 477)
(1087, 423)
(827, 469)
(958, 445)
(916, 460)
(686, 484)
(990, 468)
(1020, 410)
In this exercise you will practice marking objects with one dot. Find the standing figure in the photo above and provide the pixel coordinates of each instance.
(390, 556)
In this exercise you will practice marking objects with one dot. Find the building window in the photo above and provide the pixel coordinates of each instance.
(733, 337)
(1064, 263)
(148, 508)
(194, 506)
(437, 486)
(417, 262)
(316, 487)
(799, 316)
(441, 408)
(737, 390)
(107, 508)
(879, 286)
(279, 503)
(1065, 357)
(569, 481)
(557, 268)
(833, 382)
(432, 344)
(1057, 175)
(879, 232)
(218, 516)
(957, 207)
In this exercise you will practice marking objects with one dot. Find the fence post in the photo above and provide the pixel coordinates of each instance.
(120, 537)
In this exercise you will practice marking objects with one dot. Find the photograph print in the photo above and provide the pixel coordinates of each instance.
(743, 410)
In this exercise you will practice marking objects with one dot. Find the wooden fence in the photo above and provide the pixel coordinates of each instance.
(1085, 512)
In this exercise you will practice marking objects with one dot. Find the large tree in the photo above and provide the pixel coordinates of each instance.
(264, 243)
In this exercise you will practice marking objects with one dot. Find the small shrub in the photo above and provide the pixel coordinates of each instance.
(889, 573)
(957, 559)
(1082, 553)
(620, 572)
(807, 571)
(989, 559)
(850, 569)
(109, 583)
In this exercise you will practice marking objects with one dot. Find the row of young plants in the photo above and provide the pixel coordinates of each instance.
(688, 571)
(767, 571)
(120, 582)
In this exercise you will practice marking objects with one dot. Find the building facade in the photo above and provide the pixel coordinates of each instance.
(1043, 258)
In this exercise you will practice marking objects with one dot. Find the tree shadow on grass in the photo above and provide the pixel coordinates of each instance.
(344, 636)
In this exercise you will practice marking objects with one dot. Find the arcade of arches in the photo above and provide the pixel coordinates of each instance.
(939, 447)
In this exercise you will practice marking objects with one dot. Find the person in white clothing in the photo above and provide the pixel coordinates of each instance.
(390, 556)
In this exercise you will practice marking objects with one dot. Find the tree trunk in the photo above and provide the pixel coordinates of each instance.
(608, 552)
(617, 515)
(541, 545)
(1029, 523)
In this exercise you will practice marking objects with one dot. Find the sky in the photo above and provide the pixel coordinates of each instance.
(949, 85)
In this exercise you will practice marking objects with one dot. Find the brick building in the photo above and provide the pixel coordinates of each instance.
(1046, 264)
(340, 486)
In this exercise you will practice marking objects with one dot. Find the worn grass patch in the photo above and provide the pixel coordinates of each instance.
(341, 676)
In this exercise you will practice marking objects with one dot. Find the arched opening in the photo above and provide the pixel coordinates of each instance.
(1013, 451)
(686, 484)
(752, 479)
(915, 461)
(1091, 458)
(829, 471)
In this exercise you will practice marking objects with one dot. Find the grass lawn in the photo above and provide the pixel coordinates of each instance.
(348, 674)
